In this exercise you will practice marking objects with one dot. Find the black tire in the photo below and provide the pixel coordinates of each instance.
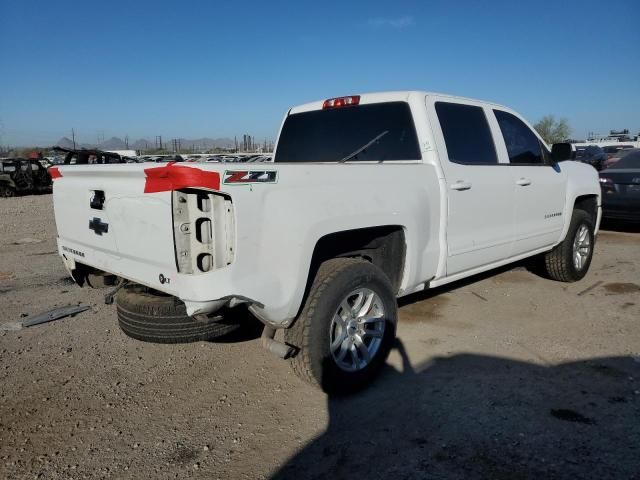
(558, 263)
(150, 316)
(310, 333)
(7, 192)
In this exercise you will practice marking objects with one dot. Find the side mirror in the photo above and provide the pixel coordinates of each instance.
(561, 152)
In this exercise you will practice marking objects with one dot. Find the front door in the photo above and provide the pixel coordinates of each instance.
(540, 186)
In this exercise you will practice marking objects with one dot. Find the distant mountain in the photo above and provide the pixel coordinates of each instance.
(141, 144)
(114, 143)
(65, 142)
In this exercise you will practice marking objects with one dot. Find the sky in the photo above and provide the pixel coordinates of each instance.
(211, 68)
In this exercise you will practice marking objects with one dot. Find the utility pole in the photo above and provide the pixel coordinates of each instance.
(73, 138)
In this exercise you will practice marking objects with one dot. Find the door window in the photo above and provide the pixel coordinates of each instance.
(466, 134)
(522, 144)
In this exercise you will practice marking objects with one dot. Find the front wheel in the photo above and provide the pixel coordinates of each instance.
(346, 328)
(570, 260)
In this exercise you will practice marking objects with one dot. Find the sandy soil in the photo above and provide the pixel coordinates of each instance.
(507, 375)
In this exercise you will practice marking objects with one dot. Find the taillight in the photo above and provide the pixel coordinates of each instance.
(54, 172)
(607, 185)
(341, 102)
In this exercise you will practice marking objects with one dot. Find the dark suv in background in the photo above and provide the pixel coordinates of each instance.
(591, 154)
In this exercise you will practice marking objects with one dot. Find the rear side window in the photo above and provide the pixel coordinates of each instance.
(522, 144)
(466, 134)
(373, 132)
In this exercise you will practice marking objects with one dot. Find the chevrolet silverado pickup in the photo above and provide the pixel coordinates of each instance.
(368, 198)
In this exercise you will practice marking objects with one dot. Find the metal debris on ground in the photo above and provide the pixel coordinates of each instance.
(27, 241)
(479, 296)
(50, 316)
(586, 290)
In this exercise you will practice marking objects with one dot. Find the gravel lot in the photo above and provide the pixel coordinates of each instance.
(505, 376)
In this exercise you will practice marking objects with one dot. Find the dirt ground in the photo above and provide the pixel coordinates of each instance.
(506, 376)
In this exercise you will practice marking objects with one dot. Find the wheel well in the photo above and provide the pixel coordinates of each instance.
(383, 246)
(589, 204)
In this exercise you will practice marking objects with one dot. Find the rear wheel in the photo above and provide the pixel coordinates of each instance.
(151, 316)
(346, 328)
(570, 260)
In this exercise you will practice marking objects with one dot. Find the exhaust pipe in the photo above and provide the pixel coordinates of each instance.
(280, 349)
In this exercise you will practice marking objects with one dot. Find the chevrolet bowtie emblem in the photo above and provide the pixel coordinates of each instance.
(98, 226)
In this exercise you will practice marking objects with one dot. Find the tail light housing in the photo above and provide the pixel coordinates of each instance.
(341, 102)
(607, 185)
(54, 172)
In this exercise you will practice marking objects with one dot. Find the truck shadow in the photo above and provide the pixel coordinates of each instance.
(250, 327)
(530, 265)
(476, 416)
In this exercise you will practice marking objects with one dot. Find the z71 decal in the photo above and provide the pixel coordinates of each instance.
(240, 177)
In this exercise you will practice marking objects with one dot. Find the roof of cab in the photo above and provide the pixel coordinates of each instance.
(392, 96)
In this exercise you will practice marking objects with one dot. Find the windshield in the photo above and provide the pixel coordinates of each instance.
(374, 132)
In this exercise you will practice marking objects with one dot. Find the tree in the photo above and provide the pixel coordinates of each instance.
(552, 130)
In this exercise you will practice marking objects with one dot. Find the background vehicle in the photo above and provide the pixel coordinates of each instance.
(368, 198)
(84, 156)
(613, 150)
(621, 188)
(612, 160)
(173, 158)
(22, 176)
(260, 158)
(591, 154)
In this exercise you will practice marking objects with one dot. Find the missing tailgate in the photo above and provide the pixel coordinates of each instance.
(203, 229)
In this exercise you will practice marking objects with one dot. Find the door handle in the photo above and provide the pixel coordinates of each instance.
(523, 182)
(460, 185)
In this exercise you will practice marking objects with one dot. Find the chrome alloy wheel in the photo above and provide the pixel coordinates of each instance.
(357, 330)
(581, 247)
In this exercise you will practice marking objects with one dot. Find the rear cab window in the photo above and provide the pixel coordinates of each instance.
(386, 130)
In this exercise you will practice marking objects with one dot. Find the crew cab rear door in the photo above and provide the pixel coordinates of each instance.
(479, 192)
(540, 187)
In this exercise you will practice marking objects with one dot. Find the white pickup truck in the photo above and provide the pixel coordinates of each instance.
(368, 198)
